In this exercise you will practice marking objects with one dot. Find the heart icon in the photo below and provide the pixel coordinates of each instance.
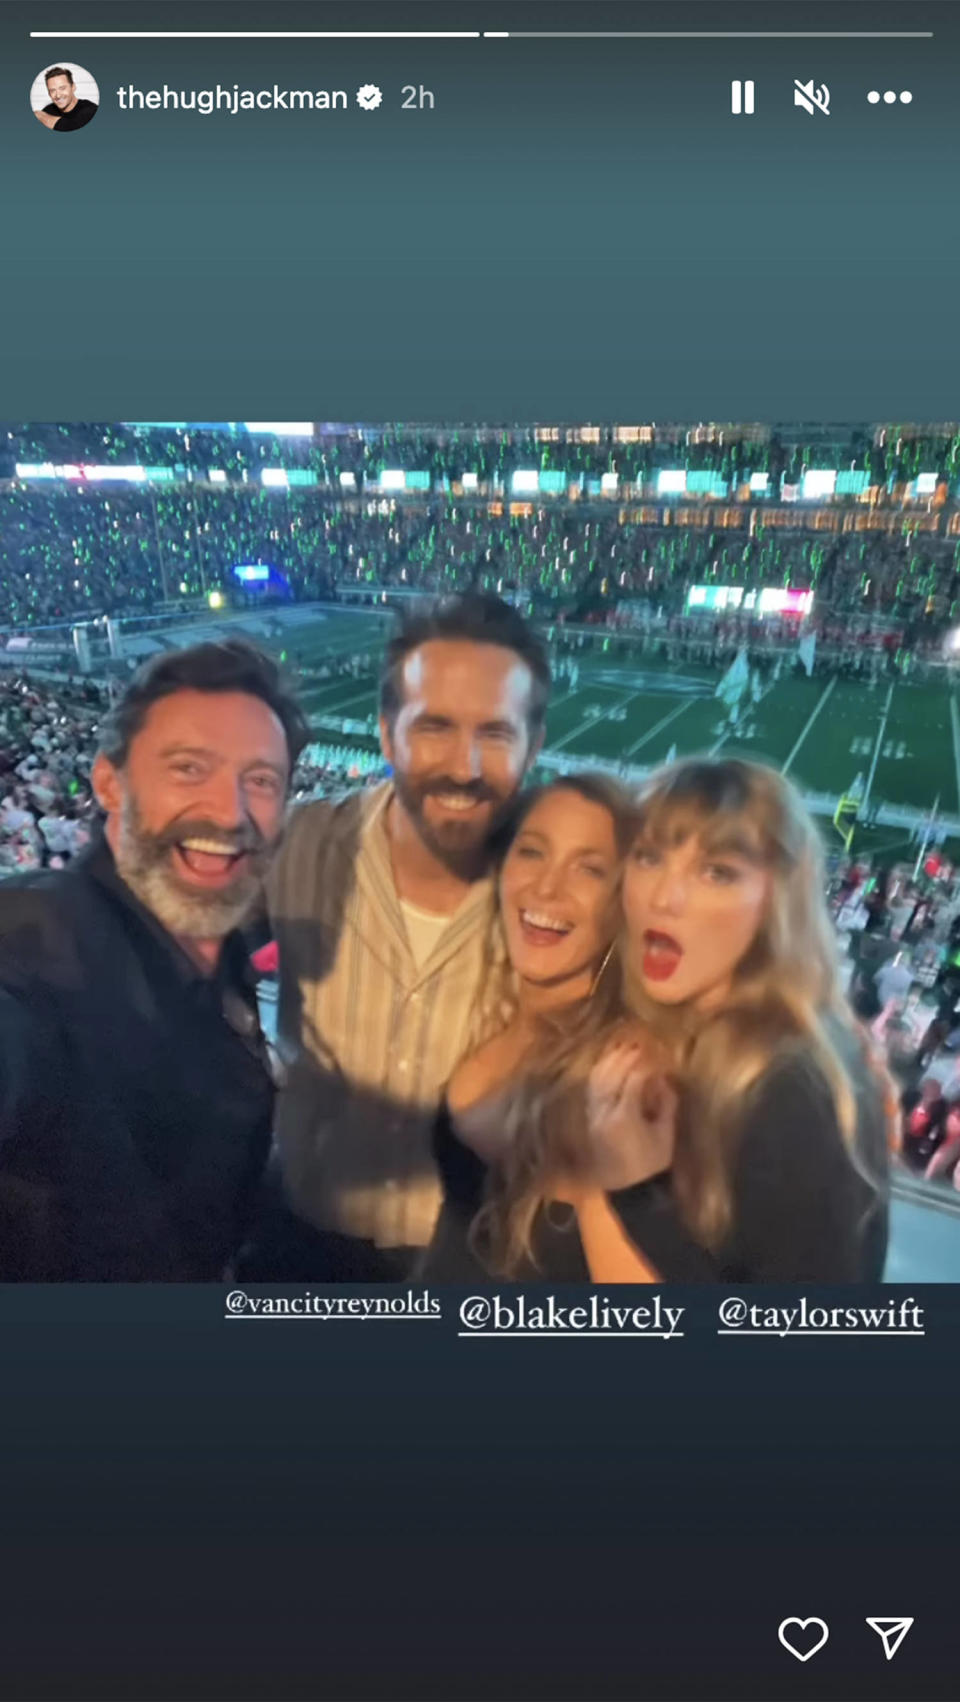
(796, 1635)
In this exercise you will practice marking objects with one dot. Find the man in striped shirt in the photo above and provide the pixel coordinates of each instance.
(384, 911)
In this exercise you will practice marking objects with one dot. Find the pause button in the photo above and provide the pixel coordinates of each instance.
(741, 97)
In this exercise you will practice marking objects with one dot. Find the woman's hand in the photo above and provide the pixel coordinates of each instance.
(631, 1118)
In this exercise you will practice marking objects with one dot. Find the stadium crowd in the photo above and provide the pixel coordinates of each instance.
(46, 750)
(901, 925)
(732, 453)
(79, 548)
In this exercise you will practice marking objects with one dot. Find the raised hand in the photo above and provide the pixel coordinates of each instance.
(631, 1117)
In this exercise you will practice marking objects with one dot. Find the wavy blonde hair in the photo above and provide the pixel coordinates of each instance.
(545, 1110)
(786, 999)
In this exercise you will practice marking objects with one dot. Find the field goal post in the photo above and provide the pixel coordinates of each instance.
(845, 819)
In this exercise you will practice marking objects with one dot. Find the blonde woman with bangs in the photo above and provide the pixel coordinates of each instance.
(531, 1179)
(785, 1117)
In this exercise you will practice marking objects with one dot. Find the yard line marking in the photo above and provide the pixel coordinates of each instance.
(876, 754)
(809, 724)
(955, 725)
(585, 725)
(329, 693)
(674, 713)
(578, 691)
(337, 708)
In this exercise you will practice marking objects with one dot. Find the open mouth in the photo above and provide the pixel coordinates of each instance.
(208, 863)
(661, 955)
(457, 803)
(541, 929)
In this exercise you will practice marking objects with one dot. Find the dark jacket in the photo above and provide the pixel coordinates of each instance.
(135, 1094)
(805, 1208)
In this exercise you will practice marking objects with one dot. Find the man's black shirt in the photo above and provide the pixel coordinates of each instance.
(135, 1094)
(76, 118)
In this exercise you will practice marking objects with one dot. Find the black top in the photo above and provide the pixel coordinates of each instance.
(135, 1094)
(803, 1211)
(76, 118)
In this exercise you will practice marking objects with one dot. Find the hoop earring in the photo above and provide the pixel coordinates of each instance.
(597, 978)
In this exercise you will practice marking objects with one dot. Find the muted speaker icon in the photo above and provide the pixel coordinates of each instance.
(812, 100)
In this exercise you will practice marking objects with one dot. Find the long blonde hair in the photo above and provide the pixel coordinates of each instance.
(545, 1109)
(786, 998)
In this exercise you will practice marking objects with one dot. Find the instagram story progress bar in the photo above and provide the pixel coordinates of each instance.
(742, 98)
(486, 35)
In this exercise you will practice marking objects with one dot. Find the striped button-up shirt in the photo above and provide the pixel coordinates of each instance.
(370, 1040)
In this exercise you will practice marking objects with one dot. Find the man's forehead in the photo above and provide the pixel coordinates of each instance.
(456, 665)
(213, 716)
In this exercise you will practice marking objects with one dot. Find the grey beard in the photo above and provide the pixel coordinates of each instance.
(147, 872)
(205, 916)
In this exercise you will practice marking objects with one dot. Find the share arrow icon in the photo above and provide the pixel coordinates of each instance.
(891, 1633)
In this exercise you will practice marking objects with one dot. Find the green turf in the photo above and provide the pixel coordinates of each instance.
(916, 760)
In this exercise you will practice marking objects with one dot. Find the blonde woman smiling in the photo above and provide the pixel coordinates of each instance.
(565, 1104)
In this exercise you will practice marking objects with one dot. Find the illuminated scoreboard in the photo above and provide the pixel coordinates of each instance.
(716, 599)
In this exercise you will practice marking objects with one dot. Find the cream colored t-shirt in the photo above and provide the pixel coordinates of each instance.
(424, 928)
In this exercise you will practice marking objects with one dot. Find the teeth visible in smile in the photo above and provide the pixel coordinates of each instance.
(209, 845)
(454, 801)
(536, 919)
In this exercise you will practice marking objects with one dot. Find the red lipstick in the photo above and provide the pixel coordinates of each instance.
(661, 955)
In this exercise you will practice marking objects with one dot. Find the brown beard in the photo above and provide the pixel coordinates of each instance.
(461, 847)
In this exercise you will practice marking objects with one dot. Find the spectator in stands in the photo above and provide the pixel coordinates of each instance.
(924, 1126)
(894, 980)
(135, 1094)
(384, 913)
(896, 1031)
(944, 1160)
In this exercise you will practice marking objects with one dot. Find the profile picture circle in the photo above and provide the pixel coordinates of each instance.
(64, 96)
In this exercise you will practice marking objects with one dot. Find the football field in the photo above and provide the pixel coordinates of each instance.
(902, 738)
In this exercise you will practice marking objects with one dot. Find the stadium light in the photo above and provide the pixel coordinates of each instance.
(671, 482)
(525, 482)
(45, 470)
(819, 482)
(125, 475)
(280, 428)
